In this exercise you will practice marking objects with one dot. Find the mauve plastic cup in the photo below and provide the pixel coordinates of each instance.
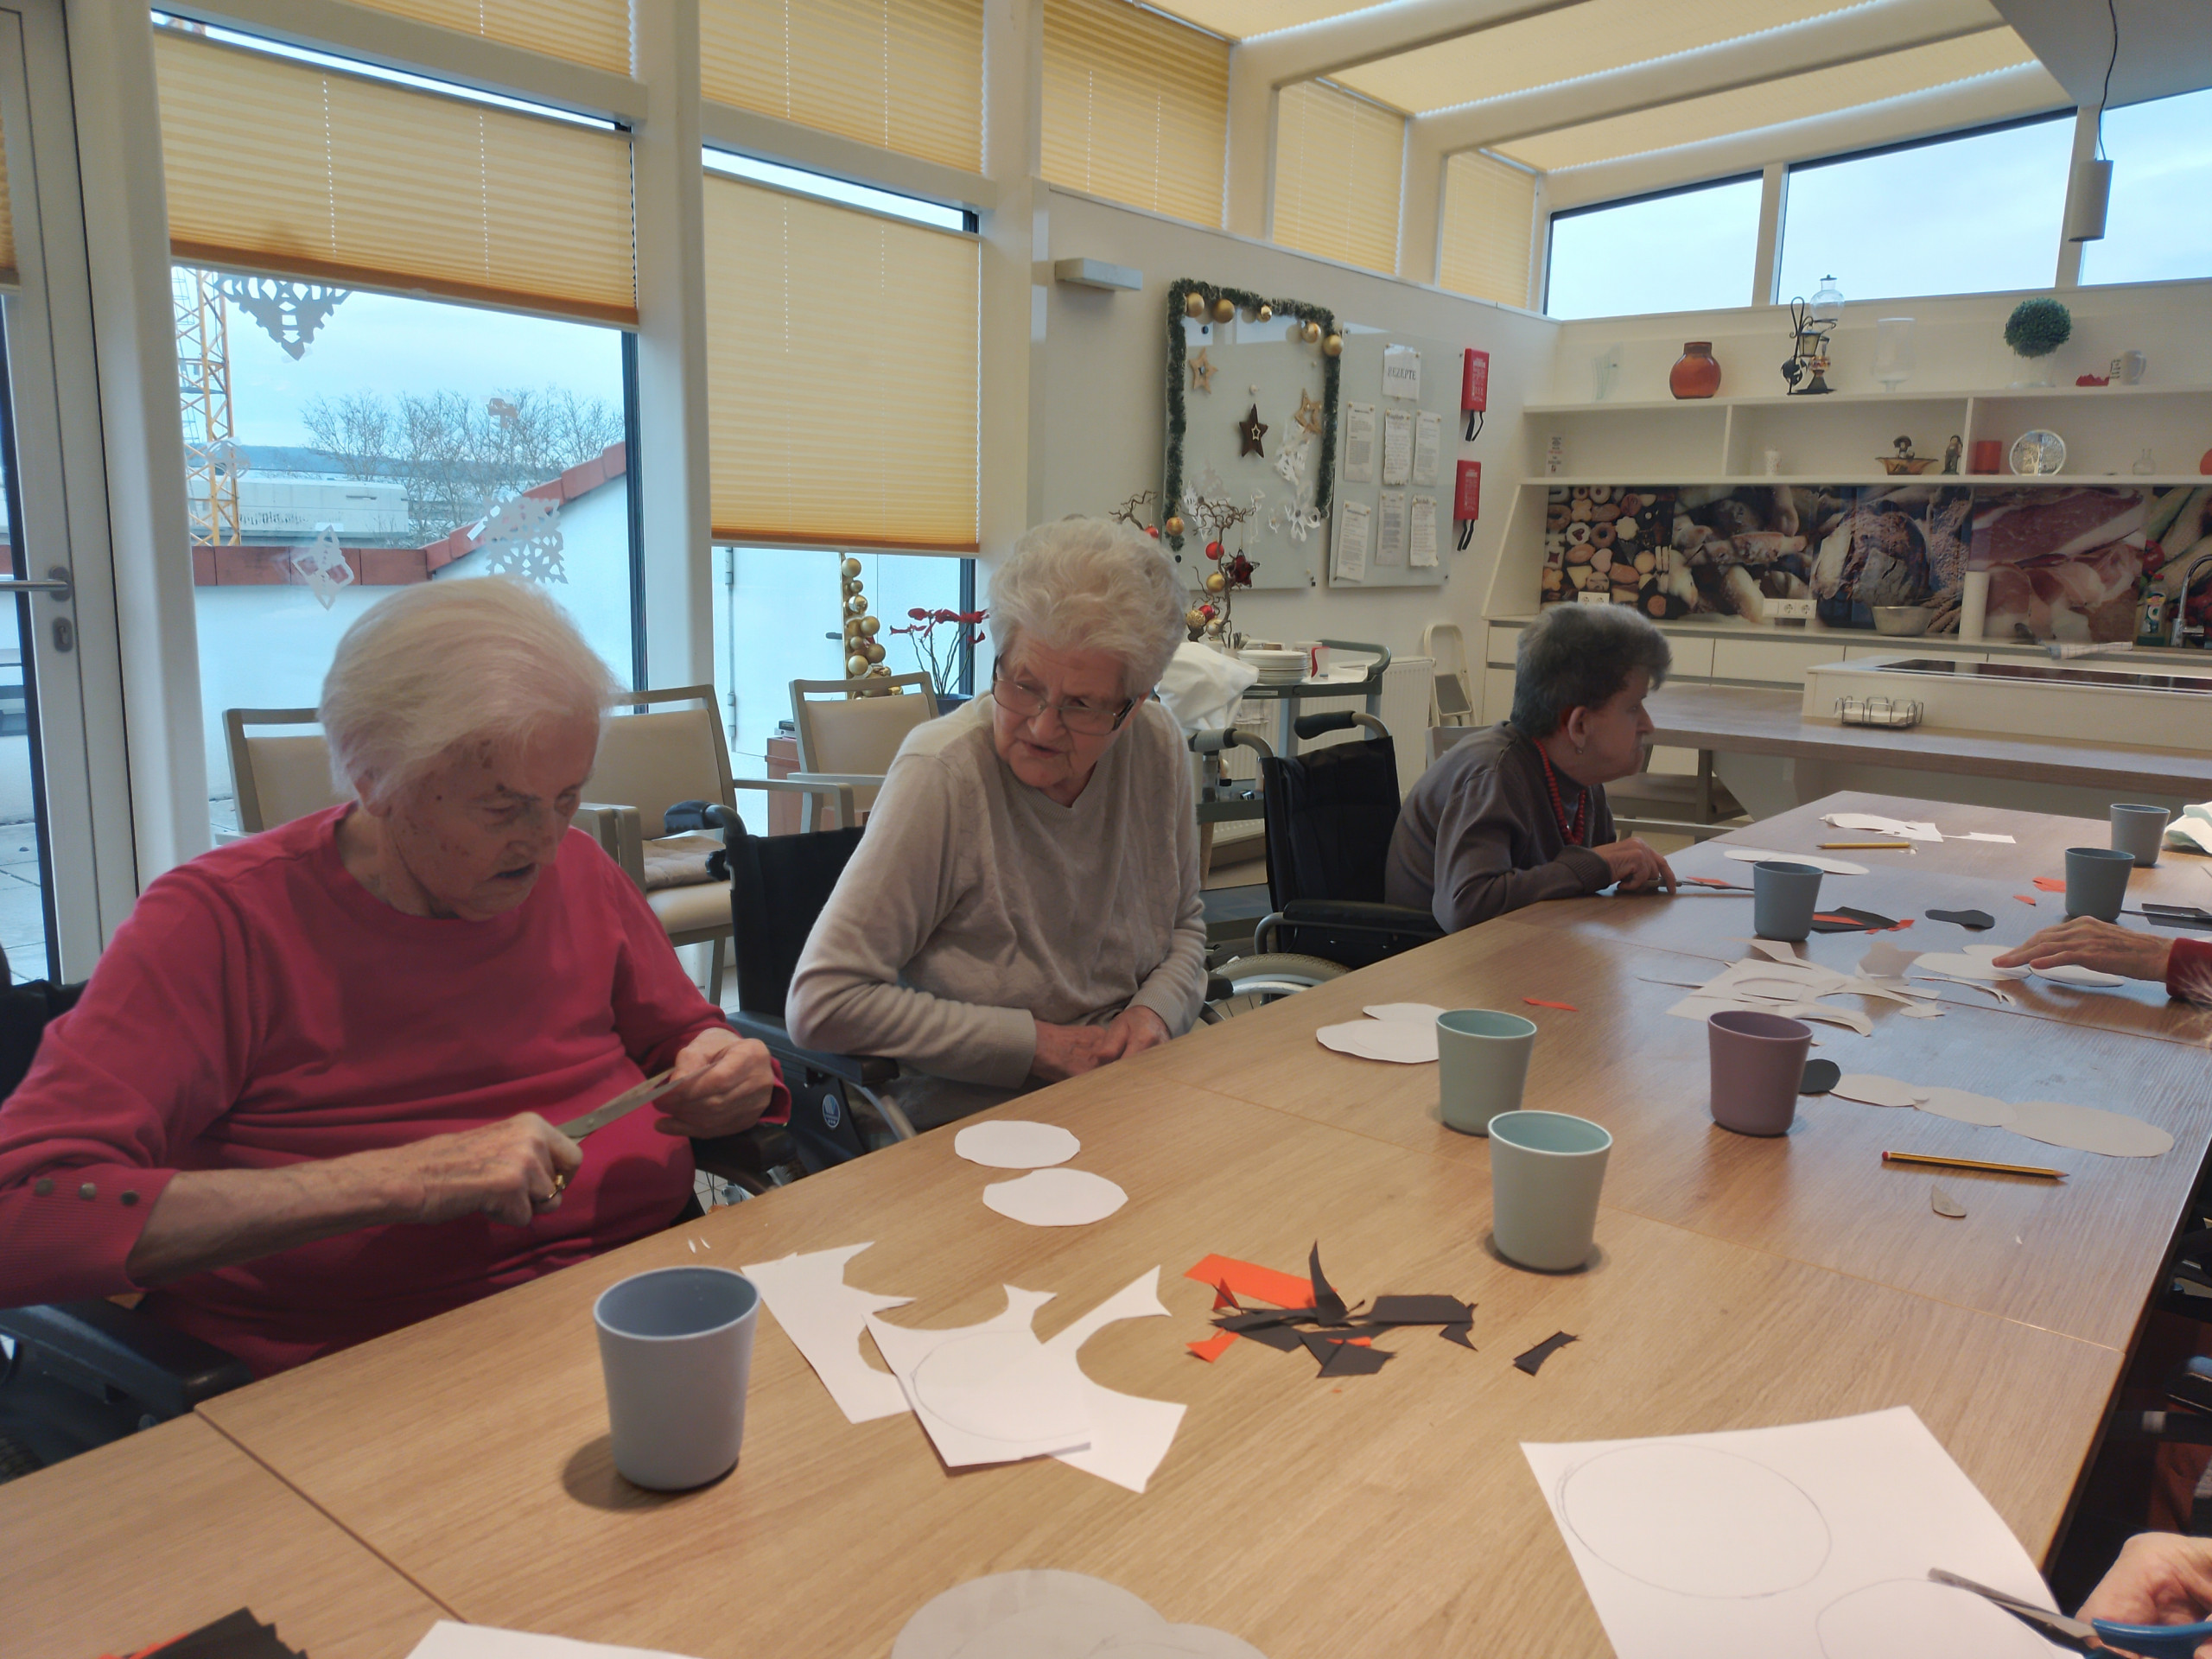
(1784, 898)
(1758, 1060)
(2138, 831)
(2096, 881)
(676, 1345)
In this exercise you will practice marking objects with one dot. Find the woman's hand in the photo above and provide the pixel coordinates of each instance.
(1144, 1029)
(2085, 942)
(509, 1171)
(1065, 1052)
(2161, 1578)
(724, 1081)
(1636, 866)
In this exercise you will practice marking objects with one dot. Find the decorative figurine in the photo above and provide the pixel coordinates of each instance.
(1952, 451)
(1810, 325)
(1905, 462)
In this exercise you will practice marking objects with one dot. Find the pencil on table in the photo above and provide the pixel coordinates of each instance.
(1973, 1163)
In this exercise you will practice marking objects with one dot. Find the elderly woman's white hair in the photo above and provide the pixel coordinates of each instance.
(488, 659)
(1091, 584)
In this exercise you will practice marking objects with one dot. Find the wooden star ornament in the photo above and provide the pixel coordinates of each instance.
(1249, 431)
(1201, 371)
(1309, 414)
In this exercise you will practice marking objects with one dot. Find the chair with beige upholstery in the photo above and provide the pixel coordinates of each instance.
(278, 778)
(850, 730)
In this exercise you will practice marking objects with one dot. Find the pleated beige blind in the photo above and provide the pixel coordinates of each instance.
(1338, 163)
(1489, 217)
(842, 353)
(7, 226)
(1136, 107)
(904, 74)
(279, 166)
(596, 32)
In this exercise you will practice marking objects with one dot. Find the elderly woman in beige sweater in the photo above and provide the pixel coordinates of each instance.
(1024, 906)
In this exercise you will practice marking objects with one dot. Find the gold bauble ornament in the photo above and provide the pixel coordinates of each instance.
(850, 567)
(856, 665)
(1194, 618)
(1216, 582)
(1174, 525)
(873, 652)
(868, 626)
(1333, 345)
(1214, 628)
(857, 604)
(1223, 309)
(1312, 334)
(1194, 307)
(1267, 313)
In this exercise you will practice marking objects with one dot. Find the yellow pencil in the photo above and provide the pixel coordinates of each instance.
(1866, 846)
(1973, 1163)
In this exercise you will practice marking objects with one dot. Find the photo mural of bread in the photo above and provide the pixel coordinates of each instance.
(2082, 565)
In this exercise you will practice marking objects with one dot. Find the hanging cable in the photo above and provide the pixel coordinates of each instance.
(2104, 97)
(1474, 424)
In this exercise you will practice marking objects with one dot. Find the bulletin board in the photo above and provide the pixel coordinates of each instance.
(1389, 530)
(1253, 370)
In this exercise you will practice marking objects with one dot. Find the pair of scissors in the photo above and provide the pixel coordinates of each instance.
(600, 1117)
(2094, 1636)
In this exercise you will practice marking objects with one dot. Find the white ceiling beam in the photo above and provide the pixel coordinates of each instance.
(2003, 95)
(1261, 66)
(1839, 37)
(2165, 45)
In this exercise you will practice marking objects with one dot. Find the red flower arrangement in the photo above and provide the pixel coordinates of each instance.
(940, 659)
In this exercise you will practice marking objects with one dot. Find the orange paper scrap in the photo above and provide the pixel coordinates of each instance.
(2023, 898)
(1214, 1346)
(1221, 1298)
(1539, 1003)
(2051, 884)
(1244, 1278)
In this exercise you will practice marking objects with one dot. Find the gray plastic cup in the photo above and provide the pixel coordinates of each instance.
(1784, 898)
(2096, 881)
(2138, 831)
(1758, 1060)
(1546, 1169)
(1482, 1064)
(676, 1346)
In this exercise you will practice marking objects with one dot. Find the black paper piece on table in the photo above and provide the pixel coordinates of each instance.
(1862, 921)
(1820, 1075)
(1280, 1338)
(1342, 1357)
(1418, 1310)
(1459, 1333)
(1533, 1360)
(237, 1635)
(1255, 1317)
(1328, 1306)
(1976, 919)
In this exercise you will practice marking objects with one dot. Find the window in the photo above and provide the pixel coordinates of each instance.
(1338, 163)
(1136, 107)
(1687, 250)
(2155, 228)
(1489, 211)
(1979, 213)
(435, 441)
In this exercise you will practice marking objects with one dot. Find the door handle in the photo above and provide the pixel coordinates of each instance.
(57, 582)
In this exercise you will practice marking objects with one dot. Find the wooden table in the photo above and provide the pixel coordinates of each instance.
(176, 1526)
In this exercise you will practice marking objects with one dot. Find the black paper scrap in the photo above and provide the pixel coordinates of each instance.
(1280, 1338)
(1328, 1306)
(1820, 1075)
(1533, 1359)
(1254, 1319)
(1976, 919)
(1340, 1357)
(1418, 1310)
(1457, 1333)
(1862, 921)
(237, 1635)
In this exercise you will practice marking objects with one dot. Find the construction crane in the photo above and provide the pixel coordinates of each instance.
(203, 368)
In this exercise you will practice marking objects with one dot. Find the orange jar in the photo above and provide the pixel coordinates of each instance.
(1696, 373)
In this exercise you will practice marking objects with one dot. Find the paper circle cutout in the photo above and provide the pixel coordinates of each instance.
(1178, 1642)
(1918, 1619)
(1875, 1091)
(1402, 1042)
(1695, 1521)
(1056, 1198)
(1964, 1106)
(944, 1623)
(1424, 1013)
(2087, 1129)
(2074, 974)
(1055, 1631)
(1820, 1075)
(1001, 1385)
(1010, 1143)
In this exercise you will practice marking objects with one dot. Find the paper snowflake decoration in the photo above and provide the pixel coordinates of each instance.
(289, 312)
(521, 536)
(1301, 521)
(1290, 463)
(323, 566)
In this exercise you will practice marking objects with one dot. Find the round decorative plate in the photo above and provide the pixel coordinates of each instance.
(2038, 452)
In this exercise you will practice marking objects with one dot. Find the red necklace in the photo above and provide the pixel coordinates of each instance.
(1574, 832)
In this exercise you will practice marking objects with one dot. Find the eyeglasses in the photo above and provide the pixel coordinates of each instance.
(1083, 718)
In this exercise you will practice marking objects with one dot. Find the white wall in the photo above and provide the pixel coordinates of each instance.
(1099, 432)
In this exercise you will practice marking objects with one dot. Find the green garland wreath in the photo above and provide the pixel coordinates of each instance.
(1243, 299)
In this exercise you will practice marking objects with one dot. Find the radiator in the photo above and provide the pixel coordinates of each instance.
(1406, 686)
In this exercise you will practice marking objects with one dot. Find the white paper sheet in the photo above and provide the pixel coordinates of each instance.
(1129, 1433)
(1390, 530)
(1400, 371)
(1428, 445)
(1056, 1198)
(446, 1640)
(823, 1316)
(1982, 834)
(947, 1622)
(1351, 541)
(1402, 1042)
(1420, 1013)
(1904, 830)
(1972, 962)
(1833, 866)
(993, 1399)
(1010, 1143)
(1422, 536)
(1809, 1542)
(1397, 447)
(1359, 443)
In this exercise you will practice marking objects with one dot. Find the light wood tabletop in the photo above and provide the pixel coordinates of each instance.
(471, 1451)
(159, 1534)
(1744, 720)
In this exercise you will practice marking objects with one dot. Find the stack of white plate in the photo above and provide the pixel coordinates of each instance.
(1276, 667)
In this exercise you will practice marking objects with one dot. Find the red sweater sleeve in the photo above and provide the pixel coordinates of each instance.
(2189, 970)
(155, 1052)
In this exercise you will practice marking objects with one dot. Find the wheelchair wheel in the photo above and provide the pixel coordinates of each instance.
(1256, 981)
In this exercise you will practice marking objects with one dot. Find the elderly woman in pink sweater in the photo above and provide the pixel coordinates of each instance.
(307, 1095)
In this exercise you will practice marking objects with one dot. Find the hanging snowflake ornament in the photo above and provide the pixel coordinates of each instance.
(289, 313)
(1290, 464)
(521, 536)
(323, 566)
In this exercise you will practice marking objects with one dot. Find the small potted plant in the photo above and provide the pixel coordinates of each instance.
(939, 658)
(2036, 329)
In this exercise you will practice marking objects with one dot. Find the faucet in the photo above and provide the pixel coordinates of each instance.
(2176, 634)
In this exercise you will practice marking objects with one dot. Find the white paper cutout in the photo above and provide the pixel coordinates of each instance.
(2088, 1128)
(1964, 1106)
(1129, 1434)
(1011, 1143)
(1422, 1013)
(1982, 834)
(1875, 1091)
(1056, 1198)
(1885, 961)
(947, 1622)
(1397, 447)
(1402, 1042)
(1904, 830)
(2074, 974)
(1359, 443)
(447, 1640)
(823, 1316)
(1784, 1542)
(1046, 1419)
(1833, 866)
(1290, 463)
(323, 567)
(1428, 445)
(289, 313)
(1971, 961)
(521, 536)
